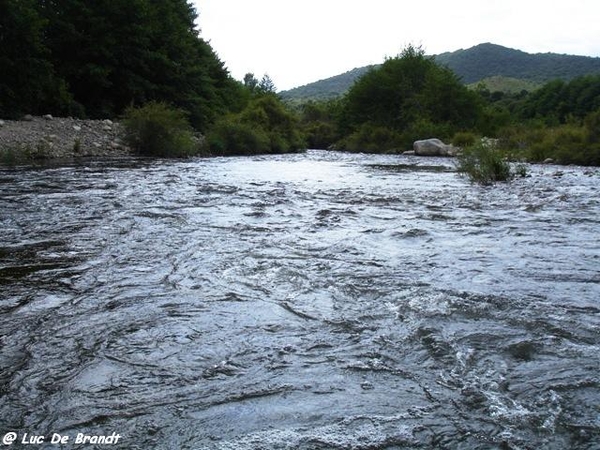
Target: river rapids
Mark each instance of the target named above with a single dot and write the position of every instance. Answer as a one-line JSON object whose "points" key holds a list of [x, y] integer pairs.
{"points": [[309, 301]]}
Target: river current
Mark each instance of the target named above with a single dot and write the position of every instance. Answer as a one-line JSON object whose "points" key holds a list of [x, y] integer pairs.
{"points": [[310, 301]]}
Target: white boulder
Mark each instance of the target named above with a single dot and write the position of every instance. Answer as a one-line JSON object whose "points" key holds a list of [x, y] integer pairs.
{"points": [[434, 147]]}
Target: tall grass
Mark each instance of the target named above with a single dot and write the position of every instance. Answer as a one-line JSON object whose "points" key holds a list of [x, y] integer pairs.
{"points": [[483, 164]]}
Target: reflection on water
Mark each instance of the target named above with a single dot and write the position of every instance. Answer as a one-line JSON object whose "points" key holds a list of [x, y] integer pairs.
{"points": [[309, 301]]}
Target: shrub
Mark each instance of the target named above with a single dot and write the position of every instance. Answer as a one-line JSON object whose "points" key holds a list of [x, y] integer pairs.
{"points": [[566, 144], [11, 156], [371, 138], [264, 126], [25, 154], [483, 164], [231, 137], [156, 129], [425, 129], [320, 134], [464, 139]]}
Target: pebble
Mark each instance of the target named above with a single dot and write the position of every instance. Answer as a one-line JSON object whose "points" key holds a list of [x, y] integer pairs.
{"points": [[63, 137], [48, 117]]}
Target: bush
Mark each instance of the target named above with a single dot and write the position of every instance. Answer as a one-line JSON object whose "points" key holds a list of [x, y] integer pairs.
{"points": [[425, 129], [483, 164], [25, 154], [566, 144], [464, 139], [231, 137], [264, 126], [371, 138], [156, 129], [320, 134]]}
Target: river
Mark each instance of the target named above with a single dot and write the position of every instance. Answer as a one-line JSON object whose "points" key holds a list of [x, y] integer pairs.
{"points": [[309, 301]]}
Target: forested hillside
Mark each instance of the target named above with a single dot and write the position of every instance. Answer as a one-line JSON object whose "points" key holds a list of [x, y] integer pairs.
{"points": [[487, 60], [479, 63], [95, 58], [328, 88], [413, 97]]}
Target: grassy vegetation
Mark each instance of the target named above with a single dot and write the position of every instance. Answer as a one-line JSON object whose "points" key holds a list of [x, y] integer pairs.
{"points": [[464, 139], [571, 143], [484, 164], [25, 154]]}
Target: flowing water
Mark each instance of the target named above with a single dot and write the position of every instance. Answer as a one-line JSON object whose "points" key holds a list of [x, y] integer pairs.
{"points": [[310, 301]]}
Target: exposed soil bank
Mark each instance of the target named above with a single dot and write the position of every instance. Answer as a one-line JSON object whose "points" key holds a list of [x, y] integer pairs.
{"points": [[48, 137]]}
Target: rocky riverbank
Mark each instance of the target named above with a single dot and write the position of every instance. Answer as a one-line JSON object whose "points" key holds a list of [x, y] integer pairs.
{"points": [[47, 137]]}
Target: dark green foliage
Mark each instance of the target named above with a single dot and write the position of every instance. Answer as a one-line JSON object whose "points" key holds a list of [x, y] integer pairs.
{"points": [[371, 138], [156, 129], [484, 164], [95, 58], [559, 101], [28, 81], [319, 122], [464, 139], [264, 126], [565, 144], [487, 60], [412, 97], [232, 137]]}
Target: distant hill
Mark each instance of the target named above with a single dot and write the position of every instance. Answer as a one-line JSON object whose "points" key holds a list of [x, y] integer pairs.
{"points": [[488, 60], [482, 62], [327, 88]]}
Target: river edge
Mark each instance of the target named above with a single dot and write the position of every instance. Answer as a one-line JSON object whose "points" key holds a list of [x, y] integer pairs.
{"points": [[50, 138]]}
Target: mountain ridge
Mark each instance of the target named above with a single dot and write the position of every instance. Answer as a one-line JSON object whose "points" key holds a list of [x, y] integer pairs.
{"points": [[472, 65]]}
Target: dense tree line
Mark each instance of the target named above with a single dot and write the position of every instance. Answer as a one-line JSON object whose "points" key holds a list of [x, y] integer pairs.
{"points": [[412, 97], [93, 59], [405, 97]]}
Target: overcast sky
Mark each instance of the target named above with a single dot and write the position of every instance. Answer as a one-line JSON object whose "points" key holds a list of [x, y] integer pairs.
{"points": [[300, 41]]}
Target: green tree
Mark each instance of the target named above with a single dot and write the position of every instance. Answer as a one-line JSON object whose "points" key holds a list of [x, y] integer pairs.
{"points": [[406, 91], [116, 53], [28, 81], [266, 85], [250, 82], [558, 102], [319, 123], [264, 126], [159, 130]]}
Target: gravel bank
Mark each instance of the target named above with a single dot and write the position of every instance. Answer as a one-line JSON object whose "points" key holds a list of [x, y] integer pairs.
{"points": [[50, 137]]}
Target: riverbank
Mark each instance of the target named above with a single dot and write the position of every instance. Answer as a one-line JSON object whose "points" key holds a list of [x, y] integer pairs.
{"points": [[47, 137]]}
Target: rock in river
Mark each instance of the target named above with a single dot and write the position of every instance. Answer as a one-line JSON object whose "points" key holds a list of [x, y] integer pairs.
{"points": [[433, 147]]}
